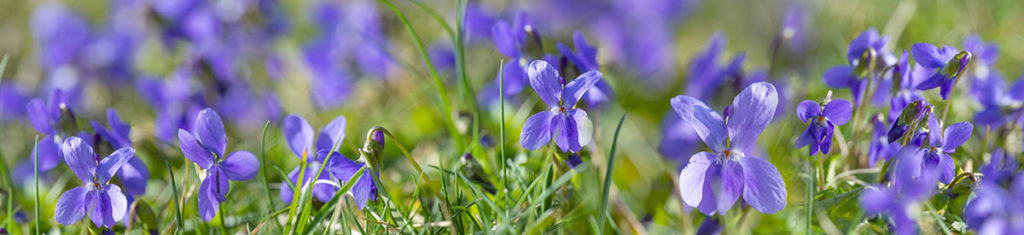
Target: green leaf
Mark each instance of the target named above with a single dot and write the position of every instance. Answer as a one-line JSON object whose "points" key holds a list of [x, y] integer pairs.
{"points": [[841, 206]]}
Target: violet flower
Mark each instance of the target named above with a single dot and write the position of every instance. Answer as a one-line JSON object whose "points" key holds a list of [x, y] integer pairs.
{"points": [[103, 202], [300, 137], [705, 74], [1001, 167], [585, 60], [881, 148], [56, 121], [206, 147], [905, 93], [997, 100], [942, 143], [822, 120], [713, 181], [908, 186], [568, 126], [134, 174], [866, 48], [945, 65], [995, 210], [515, 41]]}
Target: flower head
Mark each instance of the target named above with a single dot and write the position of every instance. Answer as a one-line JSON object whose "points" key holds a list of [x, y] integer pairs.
{"points": [[865, 49], [568, 126], [134, 174], [55, 119], [941, 143], [104, 202], [945, 64], [713, 181], [822, 120], [584, 59], [705, 73], [206, 147], [997, 210], [301, 138], [908, 186]]}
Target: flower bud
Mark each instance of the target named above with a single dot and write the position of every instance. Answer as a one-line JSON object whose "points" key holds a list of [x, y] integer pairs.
{"points": [[910, 114], [864, 65], [373, 147], [957, 65]]}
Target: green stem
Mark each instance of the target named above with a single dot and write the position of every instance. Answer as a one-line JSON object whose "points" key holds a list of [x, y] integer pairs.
{"points": [[608, 174], [949, 102], [35, 167], [810, 195], [501, 142]]}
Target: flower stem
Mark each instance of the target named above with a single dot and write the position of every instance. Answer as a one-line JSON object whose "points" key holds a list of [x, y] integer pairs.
{"points": [[865, 99], [811, 174], [35, 167], [501, 143], [949, 102]]}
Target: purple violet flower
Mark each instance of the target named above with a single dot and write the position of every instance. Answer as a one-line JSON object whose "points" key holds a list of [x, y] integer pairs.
{"points": [[206, 147], [713, 181], [941, 143], [134, 174], [568, 126], [1001, 167], [881, 147], [104, 202], [585, 60], [705, 74], [995, 210], [945, 66], [300, 137], [868, 46], [56, 121], [909, 186], [822, 120]]}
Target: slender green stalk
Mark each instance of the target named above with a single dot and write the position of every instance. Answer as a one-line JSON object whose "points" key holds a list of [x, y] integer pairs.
{"points": [[438, 84], [35, 167], [263, 167], [177, 207], [504, 159], [608, 174], [220, 217], [811, 175], [9, 220]]}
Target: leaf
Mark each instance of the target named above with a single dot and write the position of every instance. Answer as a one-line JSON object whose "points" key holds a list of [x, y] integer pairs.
{"points": [[842, 208]]}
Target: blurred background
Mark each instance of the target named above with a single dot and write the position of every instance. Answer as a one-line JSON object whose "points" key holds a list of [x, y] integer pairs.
{"points": [[159, 62]]}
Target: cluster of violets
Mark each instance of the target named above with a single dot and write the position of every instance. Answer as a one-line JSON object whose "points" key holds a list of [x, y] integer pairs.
{"points": [[913, 134], [721, 165]]}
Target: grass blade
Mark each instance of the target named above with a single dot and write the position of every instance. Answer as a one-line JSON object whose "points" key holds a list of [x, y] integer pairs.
{"points": [[263, 168], [438, 84], [608, 174], [35, 166], [504, 160], [177, 207]]}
